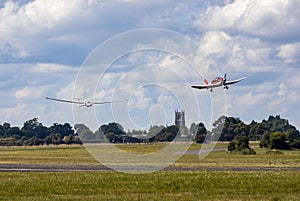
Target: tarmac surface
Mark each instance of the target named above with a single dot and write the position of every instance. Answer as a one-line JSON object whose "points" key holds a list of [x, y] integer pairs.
{"points": [[101, 168]]}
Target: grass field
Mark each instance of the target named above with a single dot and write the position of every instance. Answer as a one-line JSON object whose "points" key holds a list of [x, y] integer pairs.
{"points": [[162, 185], [77, 155], [199, 185]]}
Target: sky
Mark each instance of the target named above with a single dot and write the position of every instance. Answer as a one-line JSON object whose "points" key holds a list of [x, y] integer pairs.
{"points": [[156, 50]]}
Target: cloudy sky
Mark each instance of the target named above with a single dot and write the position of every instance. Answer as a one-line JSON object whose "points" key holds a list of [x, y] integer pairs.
{"points": [[45, 46]]}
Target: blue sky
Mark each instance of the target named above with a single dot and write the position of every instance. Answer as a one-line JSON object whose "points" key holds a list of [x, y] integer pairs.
{"points": [[44, 43]]}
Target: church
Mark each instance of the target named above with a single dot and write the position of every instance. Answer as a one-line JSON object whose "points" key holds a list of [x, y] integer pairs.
{"points": [[180, 118]]}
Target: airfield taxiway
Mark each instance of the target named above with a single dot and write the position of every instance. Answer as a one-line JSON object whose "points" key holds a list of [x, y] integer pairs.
{"points": [[101, 168]]}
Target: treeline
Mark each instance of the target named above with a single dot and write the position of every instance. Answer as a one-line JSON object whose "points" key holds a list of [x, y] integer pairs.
{"points": [[115, 133], [274, 132], [35, 133]]}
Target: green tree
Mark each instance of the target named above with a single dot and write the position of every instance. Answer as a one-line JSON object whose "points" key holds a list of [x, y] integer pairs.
{"points": [[63, 129], [115, 128], [257, 131], [154, 130], [231, 146], [265, 140], [167, 134], [71, 139], [241, 145], [84, 132], [193, 129], [278, 140], [33, 128], [201, 133]]}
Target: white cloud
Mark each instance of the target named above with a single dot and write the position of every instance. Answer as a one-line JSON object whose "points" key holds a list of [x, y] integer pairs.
{"points": [[42, 43], [275, 19], [18, 113], [290, 52], [47, 26], [52, 68], [216, 42], [221, 17], [29, 92], [238, 53], [139, 99], [293, 80], [67, 92]]}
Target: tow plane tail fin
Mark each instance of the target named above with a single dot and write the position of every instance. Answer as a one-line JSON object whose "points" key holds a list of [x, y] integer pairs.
{"points": [[205, 81]]}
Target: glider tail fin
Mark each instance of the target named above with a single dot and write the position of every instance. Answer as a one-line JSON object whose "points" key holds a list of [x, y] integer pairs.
{"points": [[205, 81]]}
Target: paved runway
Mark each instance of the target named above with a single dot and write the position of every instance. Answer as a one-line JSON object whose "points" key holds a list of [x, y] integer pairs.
{"points": [[101, 168]]}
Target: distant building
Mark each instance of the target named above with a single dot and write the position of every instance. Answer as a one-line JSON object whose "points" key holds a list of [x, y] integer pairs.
{"points": [[179, 118]]}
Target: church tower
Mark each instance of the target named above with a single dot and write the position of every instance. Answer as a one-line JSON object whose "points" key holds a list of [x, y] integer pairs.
{"points": [[179, 118]]}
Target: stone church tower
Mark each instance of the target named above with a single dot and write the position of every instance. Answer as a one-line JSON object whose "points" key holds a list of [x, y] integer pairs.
{"points": [[180, 118]]}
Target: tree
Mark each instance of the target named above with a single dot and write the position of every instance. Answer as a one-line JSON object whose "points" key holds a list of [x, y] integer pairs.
{"points": [[34, 141], [54, 138], [167, 134], [111, 137], [71, 139], [193, 129], [229, 128], [278, 141], [241, 145], [201, 133], [265, 140], [84, 132], [293, 134], [154, 130], [33, 128], [218, 129], [257, 131], [231, 146], [64, 130], [115, 128]]}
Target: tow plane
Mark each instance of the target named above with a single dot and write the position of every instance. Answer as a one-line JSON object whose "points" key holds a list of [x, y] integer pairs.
{"points": [[217, 82], [83, 103]]}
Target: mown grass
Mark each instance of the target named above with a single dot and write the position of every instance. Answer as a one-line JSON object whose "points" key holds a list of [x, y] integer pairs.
{"points": [[199, 185], [225, 159], [162, 185], [78, 155]]}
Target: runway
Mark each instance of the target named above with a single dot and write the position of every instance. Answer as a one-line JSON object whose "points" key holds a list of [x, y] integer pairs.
{"points": [[102, 168]]}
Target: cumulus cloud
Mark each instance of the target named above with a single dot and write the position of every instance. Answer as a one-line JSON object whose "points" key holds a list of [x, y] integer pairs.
{"points": [[18, 113], [42, 44], [58, 30], [43, 24], [273, 19], [52, 68], [216, 42], [238, 53], [290, 52], [29, 92]]}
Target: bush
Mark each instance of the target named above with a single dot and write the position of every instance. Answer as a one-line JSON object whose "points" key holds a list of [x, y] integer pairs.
{"points": [[263, 144], [247, 151], [240, 145], [295, 144], [278, 141], [231, 146]]}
